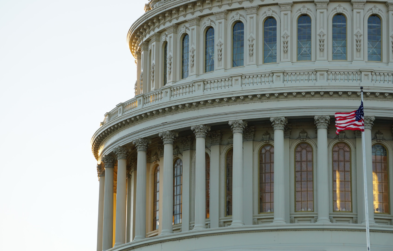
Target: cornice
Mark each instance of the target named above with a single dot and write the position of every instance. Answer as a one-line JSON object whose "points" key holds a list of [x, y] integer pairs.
{"points": [[205, 102]]}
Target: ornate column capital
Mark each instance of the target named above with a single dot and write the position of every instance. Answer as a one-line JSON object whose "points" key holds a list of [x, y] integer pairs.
{"points": [[278, 123], [168, 136], [200, 130], [100, 170], [322, 121], [369, 122], [141, 144], [237, 125], [215, 137], [108, 161], [121, 152], [249, 133]]}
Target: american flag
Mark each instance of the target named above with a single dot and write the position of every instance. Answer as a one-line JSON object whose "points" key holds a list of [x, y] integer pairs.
{"points": [[350, 120]]}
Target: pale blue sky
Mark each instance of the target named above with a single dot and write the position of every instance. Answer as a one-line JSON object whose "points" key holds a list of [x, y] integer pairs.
{"points": [[63, 64]]}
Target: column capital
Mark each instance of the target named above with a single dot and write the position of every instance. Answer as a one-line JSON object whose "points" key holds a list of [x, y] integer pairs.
{"points": [[138, 54], [369, 122], [249, 133], [100, 170], [121, 152], [215, 137], [322, 121], [200, 130], [141, 144], [237, 125], [168, 136], [278, 123], [108, 161]]}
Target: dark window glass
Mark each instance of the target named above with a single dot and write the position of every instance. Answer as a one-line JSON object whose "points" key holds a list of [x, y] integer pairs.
{"points": [[380, 179], [342, 192], [177, 191], [304, 178], [207, 165], [185, 56], [339, 37], [156, 221], [374, 38], [304, 38], [228, 183], [165, 63], [238, 44], [270, 40], [266, 179], [209, 50]]}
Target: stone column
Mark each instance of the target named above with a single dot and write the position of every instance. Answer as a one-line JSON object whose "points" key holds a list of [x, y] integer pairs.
{"points": [[200, 176], [140, 214], [129, 206], [172, 54], [167, 210], [359, 179], [194, 45], [237, 173], [323, 199], [155, 75], [247, 177], [368, 124], [121, 195], [186, 193], [107, 237], [215, 179], [279, 170], [101, 175], [145, 66], [138, 89]]}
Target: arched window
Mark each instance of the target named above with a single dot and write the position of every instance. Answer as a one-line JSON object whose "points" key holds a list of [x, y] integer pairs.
{"points": [[209, 50], [177, 191], [185, 56], [342, 192], [228, 182], [374, 38], [207, 165], [380, 179], [238, 44], [266, 179], [339, 37], [270, 40], [165, 63], [304, 178], [156, 198], [304, 38]]}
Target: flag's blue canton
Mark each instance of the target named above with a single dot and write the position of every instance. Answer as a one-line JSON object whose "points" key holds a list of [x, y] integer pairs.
{"points": [[360, 113]]}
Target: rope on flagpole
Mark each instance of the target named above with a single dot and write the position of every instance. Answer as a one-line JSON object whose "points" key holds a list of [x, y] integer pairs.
{"points": [[366, 214]]}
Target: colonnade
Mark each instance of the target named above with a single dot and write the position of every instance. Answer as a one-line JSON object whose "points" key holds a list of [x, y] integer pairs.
{"points": [[105, 222]]}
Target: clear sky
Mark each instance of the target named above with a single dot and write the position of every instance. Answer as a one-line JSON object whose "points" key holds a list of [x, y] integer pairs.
{"points": [[63, 64]]}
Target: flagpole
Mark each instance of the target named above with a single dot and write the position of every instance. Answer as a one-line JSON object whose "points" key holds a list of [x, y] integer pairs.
{"points": [[366, 216]]}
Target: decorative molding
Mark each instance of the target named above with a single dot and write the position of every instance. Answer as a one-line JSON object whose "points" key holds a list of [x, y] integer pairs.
{"points": [[269, 12], [184, 29], [170, 64], [266, 137], [303, 10], [221, 15], [369, 122], [186, 143], [215, 137], [392, 42], [322, 121], [321, 35], [100, 170], [152, 72], [176, 151], [209, 23], [160, 149], [168, 136], [236, 17], [219, 50], [194, 21], [303, 135], [251, 10], [285, 42], [249, 133], [237, 126], [285, 6], [278, 123], [358, 38], [109, 161], [192, 57], [155, 158], [379, 136], [200, 130], [342, 136], [251, 40], [339, 9], [121, 152], [141, 144]]}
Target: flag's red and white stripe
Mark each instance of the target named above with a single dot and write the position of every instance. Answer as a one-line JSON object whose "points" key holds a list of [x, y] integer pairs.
{"points": [[347, 121]]}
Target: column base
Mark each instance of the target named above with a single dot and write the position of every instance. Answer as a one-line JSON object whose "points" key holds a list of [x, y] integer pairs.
{"points": [[199, 227], [165, 232], [279, 221], [237, 224], [323, 221]]}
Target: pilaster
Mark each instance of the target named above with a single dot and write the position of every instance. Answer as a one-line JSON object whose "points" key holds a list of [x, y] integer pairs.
{"points": [[368, 124], [390, 29], [221, 43], [155, 79], [251, 36], [145, 66], [358, 45], [107, 237], [214, 178], [286, 35], [138, 89], [195, 55], [172, 55], [321, 6]]}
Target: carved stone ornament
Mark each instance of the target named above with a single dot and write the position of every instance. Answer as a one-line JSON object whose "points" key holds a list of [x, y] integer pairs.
{"points": [[169, 64], [321, 35], [215, 137], [141, 144], [186, 143], [286, 7], [285, 40], [379, 136], [100, 170], [200, 130], [236, 17], [266, 137], [278, 123], [375, 9], [121, 152], [209, 22], [176, 151], [339, 9], [251, 46], [220, 15], [168, 137], [184, 29], [155, 157], [108, 161], [342, 136], [192, 57], [219, 50], [269, 12], [322, 121], [238, 125], [303, 135], [249, 133], [303, 9], [369, 122], [392, 41], [160, 149], [358, 38], [152, 73], [252, 10]]}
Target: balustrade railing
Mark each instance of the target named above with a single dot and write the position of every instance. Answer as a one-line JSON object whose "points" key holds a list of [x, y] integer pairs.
{"points": [[217, 84]]}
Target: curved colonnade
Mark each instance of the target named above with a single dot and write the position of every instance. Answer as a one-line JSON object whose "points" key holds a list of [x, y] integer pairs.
{"points": [[230, 141]]}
